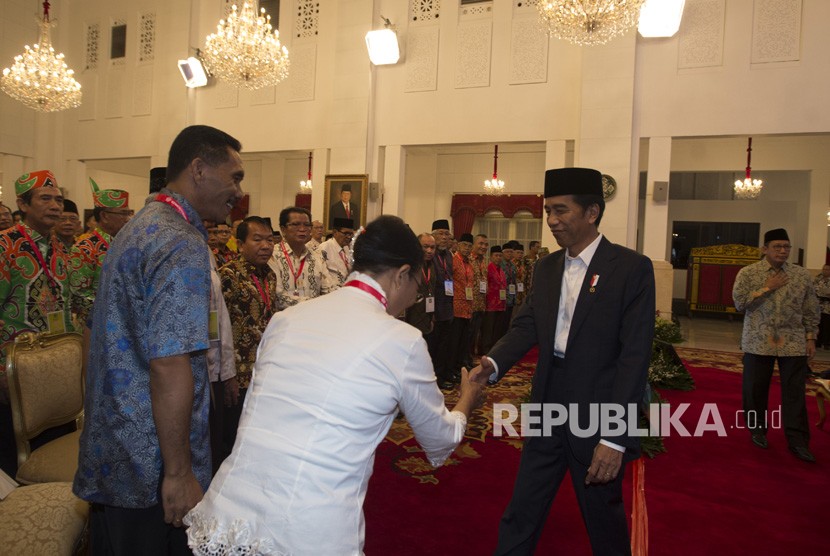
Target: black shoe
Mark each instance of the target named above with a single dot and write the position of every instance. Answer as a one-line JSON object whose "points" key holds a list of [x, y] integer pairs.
{"points": [[445, 385], [760, 440], [802, 453]]}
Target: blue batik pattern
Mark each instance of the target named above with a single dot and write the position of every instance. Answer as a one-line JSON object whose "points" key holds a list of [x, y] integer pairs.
{"points": [[152, 302]]}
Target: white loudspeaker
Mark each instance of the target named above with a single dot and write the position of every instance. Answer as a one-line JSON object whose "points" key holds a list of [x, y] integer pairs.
{"points": [[374, 190]]}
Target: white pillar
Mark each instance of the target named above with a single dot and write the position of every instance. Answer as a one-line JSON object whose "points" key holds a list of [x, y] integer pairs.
{"points": [[816, 249], [394, 170], [656, 233]]}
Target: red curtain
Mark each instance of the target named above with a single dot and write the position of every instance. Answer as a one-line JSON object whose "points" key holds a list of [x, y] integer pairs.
{"points": [[466, 206], [462, 222], [303, 200]]}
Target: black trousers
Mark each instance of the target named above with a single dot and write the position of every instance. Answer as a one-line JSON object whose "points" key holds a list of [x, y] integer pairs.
{"points": [[459, 344], [489, 325], [823, 339], [474, 335], [134, 532], [541, 471], [756, 380], [438, 342], [231, 423]]}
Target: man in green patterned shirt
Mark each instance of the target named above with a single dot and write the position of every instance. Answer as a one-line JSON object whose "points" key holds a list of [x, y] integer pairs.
{"points": [[780, 322], [86, 258]]}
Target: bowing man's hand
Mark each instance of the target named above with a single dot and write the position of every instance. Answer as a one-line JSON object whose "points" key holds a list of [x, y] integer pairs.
{"points": [[481, 372], [472, 391], [605, 465]]}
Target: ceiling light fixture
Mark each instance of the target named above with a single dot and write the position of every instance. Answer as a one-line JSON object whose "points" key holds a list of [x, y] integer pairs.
{"points": [[588, 22], [748, 188], [39, 78], [245, 50], [305, 185], [494, 186]]}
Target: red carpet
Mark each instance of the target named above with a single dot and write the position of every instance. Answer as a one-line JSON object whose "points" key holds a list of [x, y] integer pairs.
{"points": [[707, 495]]}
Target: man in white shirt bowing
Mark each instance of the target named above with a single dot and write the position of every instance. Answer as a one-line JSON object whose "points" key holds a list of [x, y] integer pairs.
{"points": [[337, 252]]}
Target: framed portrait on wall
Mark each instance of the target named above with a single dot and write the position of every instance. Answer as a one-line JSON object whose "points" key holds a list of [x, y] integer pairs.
{"points": [[345, 197]]}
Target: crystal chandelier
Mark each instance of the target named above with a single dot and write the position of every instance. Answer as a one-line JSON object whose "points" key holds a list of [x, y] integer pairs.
{"points": [[494, 186], [748, 188], [588, 22], [245, 50], [39, 78], [305, 185]]}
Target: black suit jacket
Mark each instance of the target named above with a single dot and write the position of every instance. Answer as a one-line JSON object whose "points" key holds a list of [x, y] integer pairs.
{"points": [[609, 343], [338, 211]]}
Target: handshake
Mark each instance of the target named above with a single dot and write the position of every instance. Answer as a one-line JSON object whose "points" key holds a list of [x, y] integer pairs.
{"points": [[472, 385]]}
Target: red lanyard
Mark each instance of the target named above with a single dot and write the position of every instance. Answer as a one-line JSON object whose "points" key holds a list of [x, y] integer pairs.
{"points": [[38, 254], [368, 289], [105, 242], [168, 200], [299, 272], [344, 258], [263, 292], [426, 274], [444, 265]]}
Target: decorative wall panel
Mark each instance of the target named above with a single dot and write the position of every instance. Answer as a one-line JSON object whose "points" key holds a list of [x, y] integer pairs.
{"points": [[422, 59], [89, 88], [93, 45], [146, 37], [700, 41], [528, 52], [776, 31], [115, 94], [227, 96], [266, 95], [143, 90], [308, 17], [472, 59], [303, 72], [424, 11]]}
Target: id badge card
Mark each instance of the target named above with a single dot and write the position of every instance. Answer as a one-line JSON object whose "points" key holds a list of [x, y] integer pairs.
{"points": [[213, 326], [56, 322], [429, 303], [448, 288], [512, 289], [482, 286], [468, 291], [520, 287], [502, 295]]}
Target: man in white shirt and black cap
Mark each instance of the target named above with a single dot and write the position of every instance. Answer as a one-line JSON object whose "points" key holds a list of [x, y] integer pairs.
{"points": [[337, 252]]}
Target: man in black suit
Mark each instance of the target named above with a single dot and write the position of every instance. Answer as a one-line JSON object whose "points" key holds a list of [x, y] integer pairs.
{"points": [[592, 314], [345, 208]]}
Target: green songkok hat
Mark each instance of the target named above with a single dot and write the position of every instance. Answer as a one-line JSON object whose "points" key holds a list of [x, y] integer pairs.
{"points": [[108, 198]]}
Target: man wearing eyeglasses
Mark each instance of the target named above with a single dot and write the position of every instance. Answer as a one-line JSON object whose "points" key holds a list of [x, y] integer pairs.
{"points": [[218, 236], [86, 258], [336, 251], [781, 316], [301, 274]]}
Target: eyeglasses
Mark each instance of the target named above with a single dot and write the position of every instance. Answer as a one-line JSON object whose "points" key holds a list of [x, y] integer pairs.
{"points": [[780, 247], [299, 225], [69, 219], [121, 212], [347, 234]]}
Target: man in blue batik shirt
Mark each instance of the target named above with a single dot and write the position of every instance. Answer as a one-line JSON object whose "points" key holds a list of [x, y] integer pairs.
{"points": [[145, 452]]}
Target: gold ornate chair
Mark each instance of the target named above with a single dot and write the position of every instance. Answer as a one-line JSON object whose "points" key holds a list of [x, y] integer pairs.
{"points": [[46, 390], [43, 519]]}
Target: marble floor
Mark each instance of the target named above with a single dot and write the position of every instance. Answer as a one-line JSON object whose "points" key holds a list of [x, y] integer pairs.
{"points": [[719, 334]]}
